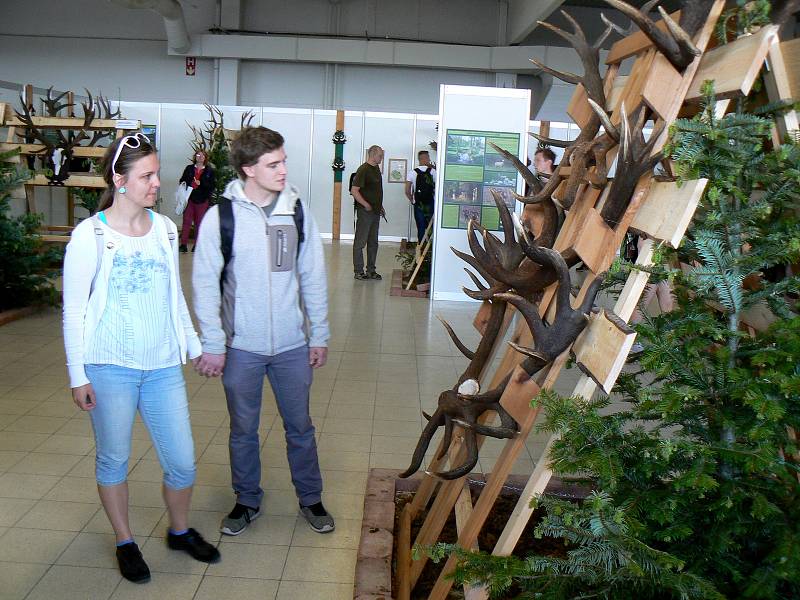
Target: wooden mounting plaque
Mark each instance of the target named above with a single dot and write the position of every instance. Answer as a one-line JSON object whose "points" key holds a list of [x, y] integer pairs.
{"points": [[667, 211], [734, 67], [601, 349]]}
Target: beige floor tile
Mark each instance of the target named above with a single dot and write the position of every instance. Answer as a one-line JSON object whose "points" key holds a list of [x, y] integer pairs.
{"points": [[58, 408], [6, 420], [346, 386], [214, 588], [41, 463], [346, 535], [17, 579], [33, 545], [344, 461], [343, 482], [344, 506], [21, 442], [320, 564], [206, 418], [279, 502], [217, 454], [59, 516], [93, 550], [305, 590], [74, 489], [67, 444], [146, 470], [341, 442], [249, 561], [212, 497], [389, 461], [12, 510], [392, 444], [162, 586], [343, 397], [398, 413], [213, 474], [145, 493], [275, 478], [396, 428], [350, 411], [37, 424], [23, 485], [272, 530], [347, 426], [8, 458], [85, 467], [142, 519], [79, 426], [76, 583]]}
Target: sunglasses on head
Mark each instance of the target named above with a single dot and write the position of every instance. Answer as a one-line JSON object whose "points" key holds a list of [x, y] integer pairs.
{"points": [[133, 140]]}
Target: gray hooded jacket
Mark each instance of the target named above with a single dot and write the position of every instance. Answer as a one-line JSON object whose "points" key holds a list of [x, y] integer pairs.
{"points": [[273, 300]]}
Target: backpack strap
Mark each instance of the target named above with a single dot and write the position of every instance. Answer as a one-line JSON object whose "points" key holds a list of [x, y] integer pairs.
{"points": [[299, 220], [226, 230], [98, 239]]}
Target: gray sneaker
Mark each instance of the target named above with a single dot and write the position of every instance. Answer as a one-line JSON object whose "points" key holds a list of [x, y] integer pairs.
{"points": [[318, 518], [238, 519]]}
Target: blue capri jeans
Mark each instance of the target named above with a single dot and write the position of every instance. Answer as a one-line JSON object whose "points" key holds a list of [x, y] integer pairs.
{"points": [[160, 397]]}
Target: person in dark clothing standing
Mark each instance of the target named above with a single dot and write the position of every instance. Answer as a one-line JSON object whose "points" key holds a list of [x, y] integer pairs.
{"points": [[421, 192], [200, 177], [367, 189]]}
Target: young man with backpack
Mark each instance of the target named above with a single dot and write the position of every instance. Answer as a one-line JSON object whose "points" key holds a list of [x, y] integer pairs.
{"points": [[259, 277], [420, 191]]}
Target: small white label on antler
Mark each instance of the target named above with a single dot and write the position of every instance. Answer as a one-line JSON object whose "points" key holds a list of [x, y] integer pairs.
{"points": [[127, 124], [469, 388]]}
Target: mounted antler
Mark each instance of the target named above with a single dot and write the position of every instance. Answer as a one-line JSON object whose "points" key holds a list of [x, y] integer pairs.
{"points": [[54, 105], [550, 341], [676, 42], [635, 158], [103, 105]]}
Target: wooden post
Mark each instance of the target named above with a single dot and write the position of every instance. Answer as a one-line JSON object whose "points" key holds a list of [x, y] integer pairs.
{"points": [[404, 555], [337, 181]]}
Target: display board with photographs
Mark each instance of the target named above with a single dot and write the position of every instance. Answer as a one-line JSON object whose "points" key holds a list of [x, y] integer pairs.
{"points": [[472, 169]]}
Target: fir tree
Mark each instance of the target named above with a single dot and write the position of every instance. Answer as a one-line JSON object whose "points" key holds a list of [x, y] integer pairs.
{"points": [[697, 474], [25, 272]]}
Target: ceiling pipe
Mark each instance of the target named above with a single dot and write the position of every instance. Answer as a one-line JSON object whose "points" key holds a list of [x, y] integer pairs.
{"points": [[174, 23]]}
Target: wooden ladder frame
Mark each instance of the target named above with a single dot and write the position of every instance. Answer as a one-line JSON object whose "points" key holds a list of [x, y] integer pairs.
{"points": [[662, 211]]}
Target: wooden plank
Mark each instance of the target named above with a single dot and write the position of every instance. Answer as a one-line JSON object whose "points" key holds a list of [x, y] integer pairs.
{"points": [[57, 239], [662, 80], [615, 95], [734, 67], [602, 348], [634, 43], [790, 52], [668, 210], [337, 189], [78, 151], [75, 180], [578, 108], [404, 555], [592, 242], [64, 123], [777, 80]]}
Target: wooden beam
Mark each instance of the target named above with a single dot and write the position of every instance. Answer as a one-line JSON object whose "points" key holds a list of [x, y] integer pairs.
{"points": [[777, 79], [64, 123], [602, 348], [78, 151], [668, 209], [337, 189], [634, 43], [74, 180], [734, 67], [790, 52], [404, 555]]}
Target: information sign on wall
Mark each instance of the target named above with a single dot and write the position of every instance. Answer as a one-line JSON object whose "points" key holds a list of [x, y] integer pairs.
{"points": [[472, 169]]}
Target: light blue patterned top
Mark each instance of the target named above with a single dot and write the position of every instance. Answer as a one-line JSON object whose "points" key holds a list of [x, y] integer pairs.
{"points": [[135, 330]]}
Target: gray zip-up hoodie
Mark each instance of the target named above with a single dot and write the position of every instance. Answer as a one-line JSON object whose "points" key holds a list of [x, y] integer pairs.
{"points": [[269, 292]]}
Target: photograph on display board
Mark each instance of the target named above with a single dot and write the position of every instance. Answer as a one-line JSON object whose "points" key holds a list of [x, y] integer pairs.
{"points": [[472, 167], [398, 168], [462, 192], [467, 212]]}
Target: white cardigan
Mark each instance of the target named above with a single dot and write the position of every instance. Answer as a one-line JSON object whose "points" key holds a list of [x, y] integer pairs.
{"points": [[84, 306]]}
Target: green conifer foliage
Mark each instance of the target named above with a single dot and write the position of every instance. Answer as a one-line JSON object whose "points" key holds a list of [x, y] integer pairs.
{"points": [[25, 271]]}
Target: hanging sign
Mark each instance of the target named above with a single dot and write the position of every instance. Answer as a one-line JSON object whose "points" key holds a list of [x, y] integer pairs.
{"points": [[191, 66]]}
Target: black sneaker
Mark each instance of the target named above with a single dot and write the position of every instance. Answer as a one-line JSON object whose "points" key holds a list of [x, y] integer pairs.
{"points": [[131, 563], [374, 275], [183, 248], [238, 519], [194, 545], [360, 276]]}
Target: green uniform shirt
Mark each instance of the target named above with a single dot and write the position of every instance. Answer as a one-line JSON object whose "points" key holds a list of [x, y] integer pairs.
{"points": [[369, 182]]}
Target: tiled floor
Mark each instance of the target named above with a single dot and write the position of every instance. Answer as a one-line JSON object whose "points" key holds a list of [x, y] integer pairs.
{"points": [[389, 360]]}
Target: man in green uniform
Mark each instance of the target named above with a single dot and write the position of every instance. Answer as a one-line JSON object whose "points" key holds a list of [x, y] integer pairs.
{"points": [[367, 189]]}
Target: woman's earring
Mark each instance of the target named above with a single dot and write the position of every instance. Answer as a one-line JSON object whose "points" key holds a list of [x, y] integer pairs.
{"points": [[123, 189]]}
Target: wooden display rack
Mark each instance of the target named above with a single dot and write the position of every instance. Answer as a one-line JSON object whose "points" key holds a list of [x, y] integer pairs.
{"points": [[9, 120], [660, 210]]}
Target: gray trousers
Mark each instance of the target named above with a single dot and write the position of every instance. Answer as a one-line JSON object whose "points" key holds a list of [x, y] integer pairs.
{"points": [[367, 223], [289, 375]]}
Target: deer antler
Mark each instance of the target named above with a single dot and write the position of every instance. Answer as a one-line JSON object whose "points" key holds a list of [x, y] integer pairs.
{"points": [[635, 158], [26, 118], [676, 43], [647, 8], [103, 105], [52, 104]]}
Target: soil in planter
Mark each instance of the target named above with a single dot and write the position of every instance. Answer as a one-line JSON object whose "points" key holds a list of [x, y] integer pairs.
{"points": [[495, 523]]}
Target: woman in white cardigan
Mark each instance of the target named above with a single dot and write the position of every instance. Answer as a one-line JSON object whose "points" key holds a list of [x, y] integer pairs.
{"points": [[127, 330]]}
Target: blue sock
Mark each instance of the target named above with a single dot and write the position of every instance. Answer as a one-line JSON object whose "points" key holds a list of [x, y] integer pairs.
{"points": [[125, 542], [182, 532]]}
